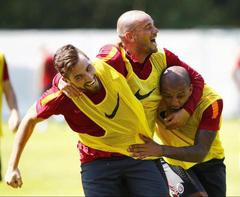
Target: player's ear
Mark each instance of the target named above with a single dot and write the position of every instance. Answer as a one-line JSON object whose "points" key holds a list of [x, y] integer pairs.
{"points": [[129, 36]]}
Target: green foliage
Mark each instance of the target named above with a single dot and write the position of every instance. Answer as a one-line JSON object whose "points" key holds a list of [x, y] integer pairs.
{"points": [[104, 13]]}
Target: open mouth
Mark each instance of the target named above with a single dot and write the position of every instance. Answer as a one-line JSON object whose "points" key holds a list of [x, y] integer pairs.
{"points": [[91, 83], [153, 40]]}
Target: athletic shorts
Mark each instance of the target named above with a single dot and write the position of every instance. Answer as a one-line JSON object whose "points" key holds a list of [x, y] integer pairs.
{"points": [[182, 183]]}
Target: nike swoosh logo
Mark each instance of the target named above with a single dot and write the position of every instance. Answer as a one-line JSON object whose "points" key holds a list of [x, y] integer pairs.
{"points": [[140, 96], [111, 116]]}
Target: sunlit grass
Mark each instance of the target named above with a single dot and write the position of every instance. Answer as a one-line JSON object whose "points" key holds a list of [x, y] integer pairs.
{"points": [[230, 135], [50, 162], [49, 165]]}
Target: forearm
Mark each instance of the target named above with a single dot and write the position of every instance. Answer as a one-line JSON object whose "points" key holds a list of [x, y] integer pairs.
{"points": [[10, 96], [187, 153], [24, 132], [194, 153], [12, 102]]}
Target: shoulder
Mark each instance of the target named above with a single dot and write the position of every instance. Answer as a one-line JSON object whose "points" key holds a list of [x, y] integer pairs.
{"points": [[52, 94], [50, 102], [211, 116], [4, 66], [168, 52], [2, 58], [171, 57], [111, 54]]}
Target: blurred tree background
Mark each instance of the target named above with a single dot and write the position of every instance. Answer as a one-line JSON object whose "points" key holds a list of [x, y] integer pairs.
{"points": [[61, 14]]}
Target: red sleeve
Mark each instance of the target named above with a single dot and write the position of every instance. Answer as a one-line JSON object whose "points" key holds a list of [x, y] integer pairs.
{"points": [[56, 79], [49, 103], [5, 70], [211, 116], [111, 54], [196, 80]]}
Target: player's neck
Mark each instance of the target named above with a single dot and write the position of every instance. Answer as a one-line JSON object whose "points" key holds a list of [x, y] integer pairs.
{"points": [[136, 56]]}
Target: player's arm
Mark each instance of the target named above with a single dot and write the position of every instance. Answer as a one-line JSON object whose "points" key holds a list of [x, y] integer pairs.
{"points": [[195, 153], [206, 133], [11, 100], [178, 119], [13, 176], [14, 118]]}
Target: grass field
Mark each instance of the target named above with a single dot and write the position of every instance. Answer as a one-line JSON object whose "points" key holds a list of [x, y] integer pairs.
{"points": [[50, 162]]}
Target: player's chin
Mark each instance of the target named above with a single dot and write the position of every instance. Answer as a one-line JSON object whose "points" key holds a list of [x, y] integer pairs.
{"points": [[154, 48], [94, 89]]}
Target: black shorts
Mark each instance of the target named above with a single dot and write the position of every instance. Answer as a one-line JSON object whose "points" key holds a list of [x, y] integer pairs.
{"points": [[182, 183], [212, 175], [204, 179]]}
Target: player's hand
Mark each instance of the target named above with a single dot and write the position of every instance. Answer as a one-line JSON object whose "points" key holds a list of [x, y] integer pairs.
{"points": [[150, 148], [13, 178], [69, 89], [14, 120], [176, 119]]}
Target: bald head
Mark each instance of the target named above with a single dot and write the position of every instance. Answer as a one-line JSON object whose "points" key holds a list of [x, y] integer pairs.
{"points": [[129, 20], [175, 76], [175, 87]]}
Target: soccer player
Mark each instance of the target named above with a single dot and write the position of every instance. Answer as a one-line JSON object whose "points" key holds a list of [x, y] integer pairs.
{"points": [[196, 147], [107, 117], [139, 59], [7, 89]]}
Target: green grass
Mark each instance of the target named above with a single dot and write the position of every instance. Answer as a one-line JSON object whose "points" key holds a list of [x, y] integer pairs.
{"points": [[230, 135], [49, 165], [50, 161]]}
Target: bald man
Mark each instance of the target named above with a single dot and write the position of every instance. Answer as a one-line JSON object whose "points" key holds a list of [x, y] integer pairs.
{"points": [[195, 148], [138, 58]]}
